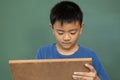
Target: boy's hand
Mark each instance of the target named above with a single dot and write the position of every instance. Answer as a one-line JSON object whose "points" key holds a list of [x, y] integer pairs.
{"points": [[92, 75]]}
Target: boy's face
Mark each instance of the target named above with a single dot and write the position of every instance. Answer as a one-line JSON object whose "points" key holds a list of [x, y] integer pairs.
{"points": [[67, 34]]}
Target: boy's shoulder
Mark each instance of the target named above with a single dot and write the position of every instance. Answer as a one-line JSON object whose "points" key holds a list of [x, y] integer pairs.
{"points": [[46, 47], [84, 48], [87, 50]]}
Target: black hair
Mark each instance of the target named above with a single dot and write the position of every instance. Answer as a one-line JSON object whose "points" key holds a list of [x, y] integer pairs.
{"points": [[66, 11]]}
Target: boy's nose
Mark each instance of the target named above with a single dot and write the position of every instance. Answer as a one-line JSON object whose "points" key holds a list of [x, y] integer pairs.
{"points": [[66, 37]]}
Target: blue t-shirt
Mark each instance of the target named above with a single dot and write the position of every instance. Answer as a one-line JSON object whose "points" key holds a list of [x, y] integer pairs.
{"points": [[50, 52]]}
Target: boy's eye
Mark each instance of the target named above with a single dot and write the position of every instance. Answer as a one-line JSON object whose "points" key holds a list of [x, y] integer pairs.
{"points": [[60, 32], [72, 32]]}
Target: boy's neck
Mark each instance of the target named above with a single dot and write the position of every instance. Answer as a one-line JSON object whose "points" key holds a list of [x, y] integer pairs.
{"points": [[67, 51]]}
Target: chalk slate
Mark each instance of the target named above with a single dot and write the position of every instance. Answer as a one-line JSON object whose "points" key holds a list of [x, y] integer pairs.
{"points": [[54, 69]]}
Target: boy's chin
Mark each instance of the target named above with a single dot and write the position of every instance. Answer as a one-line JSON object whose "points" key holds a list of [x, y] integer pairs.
{"points": [[66, 47]]}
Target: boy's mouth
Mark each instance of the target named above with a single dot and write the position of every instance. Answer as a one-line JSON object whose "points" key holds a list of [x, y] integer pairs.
{"points": [[66, 43]]}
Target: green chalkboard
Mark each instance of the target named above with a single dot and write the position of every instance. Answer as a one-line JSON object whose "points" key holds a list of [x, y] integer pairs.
{"points": [[24, 27]]}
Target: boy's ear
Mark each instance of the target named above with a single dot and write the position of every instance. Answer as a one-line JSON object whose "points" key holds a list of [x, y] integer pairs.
{"points": [[51, 26], [81, 26]]}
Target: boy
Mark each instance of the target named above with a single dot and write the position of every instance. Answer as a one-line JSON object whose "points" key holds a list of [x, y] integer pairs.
{"points": [[67, 23]]}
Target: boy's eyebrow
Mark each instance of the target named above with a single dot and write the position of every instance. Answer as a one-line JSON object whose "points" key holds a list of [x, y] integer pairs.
{"points": [[69, 30], [73, 30], [60, 30]]}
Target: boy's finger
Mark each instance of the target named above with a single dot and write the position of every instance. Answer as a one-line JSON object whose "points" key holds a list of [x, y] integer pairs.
{"points": [[87, 74], [82, 77], [90, 67]]}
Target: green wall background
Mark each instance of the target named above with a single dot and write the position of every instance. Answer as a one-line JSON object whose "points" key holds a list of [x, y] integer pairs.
{"points": [[24, 27]]}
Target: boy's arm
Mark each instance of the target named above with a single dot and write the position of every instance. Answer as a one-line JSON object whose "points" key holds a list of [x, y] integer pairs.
{"points": [[92, 75], [97, 78]]}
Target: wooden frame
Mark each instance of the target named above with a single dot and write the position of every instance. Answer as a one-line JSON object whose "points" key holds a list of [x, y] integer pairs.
{"points": [[49, 69]]}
